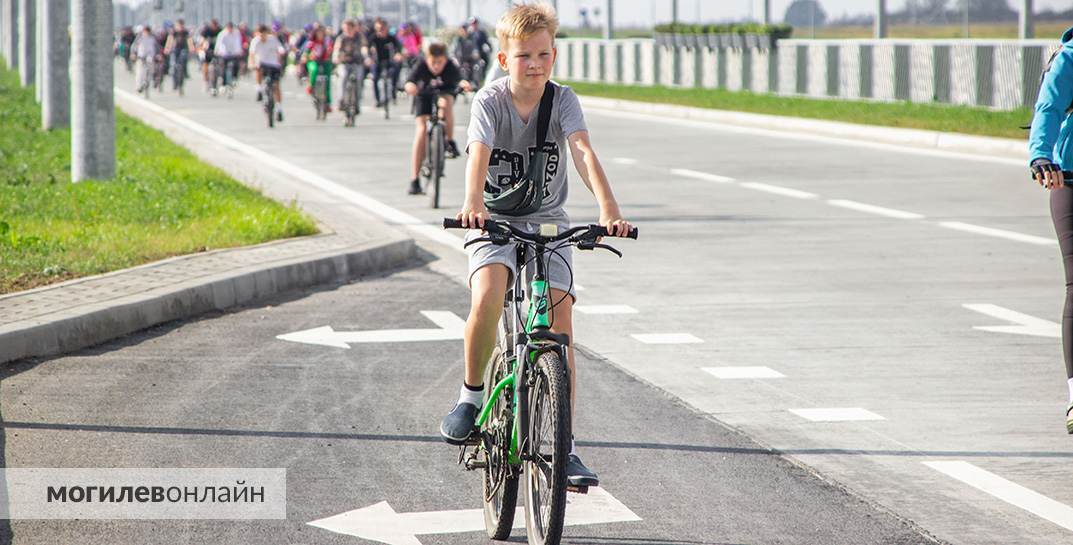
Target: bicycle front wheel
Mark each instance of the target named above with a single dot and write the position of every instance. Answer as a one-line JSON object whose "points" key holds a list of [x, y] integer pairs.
{"points": [[549, 445], [435, 165], [500, 479]]}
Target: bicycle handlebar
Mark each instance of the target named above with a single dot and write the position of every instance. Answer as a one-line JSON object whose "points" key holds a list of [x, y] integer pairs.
{"points": [[491, 225]]}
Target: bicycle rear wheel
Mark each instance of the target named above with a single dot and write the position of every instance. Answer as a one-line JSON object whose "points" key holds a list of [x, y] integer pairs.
{"points": [[500, 479], [549, 445]]}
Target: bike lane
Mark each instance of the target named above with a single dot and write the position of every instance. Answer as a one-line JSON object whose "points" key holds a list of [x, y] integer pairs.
{"points": [[357, 426]]}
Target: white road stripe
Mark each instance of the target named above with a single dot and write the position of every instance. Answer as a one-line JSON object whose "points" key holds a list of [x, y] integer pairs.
{"points": [[779, 190], [1000, 233], [872, 209], [667, 338], [701, 175], [624, 161], [743, 372], [849, 414], [605, 309], [1007, 491]]}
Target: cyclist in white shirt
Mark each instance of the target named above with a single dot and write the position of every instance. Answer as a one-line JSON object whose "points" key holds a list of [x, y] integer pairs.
{"points": [[266, 55], [229, 50], [145, 50]]}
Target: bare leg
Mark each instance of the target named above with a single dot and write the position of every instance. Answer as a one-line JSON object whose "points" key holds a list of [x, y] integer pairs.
{"points": [[488, 286], [420, 141]]}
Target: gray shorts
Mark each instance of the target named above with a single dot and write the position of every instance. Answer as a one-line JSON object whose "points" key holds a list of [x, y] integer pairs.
{"points": [[558, 271]]}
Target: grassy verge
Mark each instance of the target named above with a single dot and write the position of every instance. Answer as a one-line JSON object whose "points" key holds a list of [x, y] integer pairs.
{"points": [[163, 202], [933, 117]]}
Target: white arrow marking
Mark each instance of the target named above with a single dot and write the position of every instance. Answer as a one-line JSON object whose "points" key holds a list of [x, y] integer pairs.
{"points": [[451, 328], [1007, 491], [1026, 325], [382, 524]]}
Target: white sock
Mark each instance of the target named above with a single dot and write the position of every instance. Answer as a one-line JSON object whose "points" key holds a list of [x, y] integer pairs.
{"points": [[473, 397], [1070, 383], [572, 451]]}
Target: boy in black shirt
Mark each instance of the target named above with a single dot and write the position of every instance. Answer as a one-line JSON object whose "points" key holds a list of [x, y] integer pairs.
{"points": [[439, 78]]}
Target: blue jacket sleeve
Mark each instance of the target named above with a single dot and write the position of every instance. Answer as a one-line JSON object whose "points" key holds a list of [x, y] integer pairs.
{"points": [[1055, 96]]}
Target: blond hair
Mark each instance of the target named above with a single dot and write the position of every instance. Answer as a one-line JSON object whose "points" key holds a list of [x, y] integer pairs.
{"points": [[524, 20]]}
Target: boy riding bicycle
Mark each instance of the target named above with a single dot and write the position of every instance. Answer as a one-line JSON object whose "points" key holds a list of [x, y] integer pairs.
{"points": [[501, 136], [440, 75], [266, 55]]}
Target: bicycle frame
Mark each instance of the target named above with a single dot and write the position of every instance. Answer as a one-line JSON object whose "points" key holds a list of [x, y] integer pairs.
{"points": [[537, 320]]}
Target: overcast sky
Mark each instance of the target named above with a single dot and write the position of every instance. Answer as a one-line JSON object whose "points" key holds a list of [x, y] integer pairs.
{"points": [[645, 12]]}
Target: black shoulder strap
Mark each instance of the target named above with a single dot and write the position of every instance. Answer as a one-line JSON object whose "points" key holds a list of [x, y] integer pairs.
{"points": [[543, 121]]}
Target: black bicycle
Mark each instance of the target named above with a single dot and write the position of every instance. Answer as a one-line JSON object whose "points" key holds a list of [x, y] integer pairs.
{"points": [[523, 432], [435, 146], [269, 91], [178, 72], [351, 103]]}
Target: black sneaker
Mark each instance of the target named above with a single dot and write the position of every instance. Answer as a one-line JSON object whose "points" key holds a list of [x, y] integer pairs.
{"points": [[415, 187], [279, 115], [452, 150], [458, 424], [260, 96], [579, 475]]}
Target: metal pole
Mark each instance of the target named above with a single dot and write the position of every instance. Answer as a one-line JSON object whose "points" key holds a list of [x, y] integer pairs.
{"points": [[674, 11], [469, 9], [965, 18], [27, 51], [39, 36], [11, 33], [881, 18], [93, 102], [765, 12], [609, 19], [55, 55], [1026, 23]]}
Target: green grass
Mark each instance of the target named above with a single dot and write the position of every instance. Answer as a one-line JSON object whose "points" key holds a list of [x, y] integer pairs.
{"points": [[935, 117], [162, 202], [1048, 30]]}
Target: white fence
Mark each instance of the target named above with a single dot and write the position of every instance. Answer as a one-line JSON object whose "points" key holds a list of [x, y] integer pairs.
{"points": [[1000, 74]]}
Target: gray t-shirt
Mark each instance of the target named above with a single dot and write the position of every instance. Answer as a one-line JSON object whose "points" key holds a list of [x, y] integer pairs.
{"points": [[496, 123]]}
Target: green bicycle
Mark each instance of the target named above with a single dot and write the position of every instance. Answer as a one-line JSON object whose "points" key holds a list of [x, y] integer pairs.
{"points": [[523, 431]]}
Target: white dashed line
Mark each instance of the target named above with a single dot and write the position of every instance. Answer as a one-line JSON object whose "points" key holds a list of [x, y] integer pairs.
{"points": [[1007, 491], [743, 372], [1000, 233], [872, 209], [695, 174], [624, 161], [667, 338], [779, 190], [851, 414], [605, 309]]}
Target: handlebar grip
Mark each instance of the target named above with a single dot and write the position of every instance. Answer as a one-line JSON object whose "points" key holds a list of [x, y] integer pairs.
{"points": [[601, 231], [452, 223]]}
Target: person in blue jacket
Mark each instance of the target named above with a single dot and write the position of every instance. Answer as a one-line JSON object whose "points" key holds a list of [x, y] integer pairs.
{"points": [[1050, 151]]}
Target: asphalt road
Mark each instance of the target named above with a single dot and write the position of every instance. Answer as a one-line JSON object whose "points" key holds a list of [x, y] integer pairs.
{"points": [[855, 275]]}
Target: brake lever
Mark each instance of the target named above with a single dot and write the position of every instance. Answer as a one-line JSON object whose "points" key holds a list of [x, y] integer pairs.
{"points": [[476, 240], [608, 248]]}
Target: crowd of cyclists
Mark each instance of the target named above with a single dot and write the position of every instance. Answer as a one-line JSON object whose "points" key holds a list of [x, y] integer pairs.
{"points": [[225, 52]]}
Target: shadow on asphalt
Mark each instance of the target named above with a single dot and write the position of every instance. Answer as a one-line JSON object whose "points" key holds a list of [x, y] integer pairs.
{"points": [[402, 438]]}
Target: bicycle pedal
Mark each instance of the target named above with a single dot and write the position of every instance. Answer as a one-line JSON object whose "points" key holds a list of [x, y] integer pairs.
{"points": [[577, 489]]}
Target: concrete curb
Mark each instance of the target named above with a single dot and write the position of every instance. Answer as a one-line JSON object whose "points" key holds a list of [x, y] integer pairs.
{"points": [[953, 142], [95, 324]]}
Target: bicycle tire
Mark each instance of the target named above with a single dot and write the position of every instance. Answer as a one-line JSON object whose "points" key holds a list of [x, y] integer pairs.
{"points": [[388, 97], [499, 508], [545, 502], [436, 159]]}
